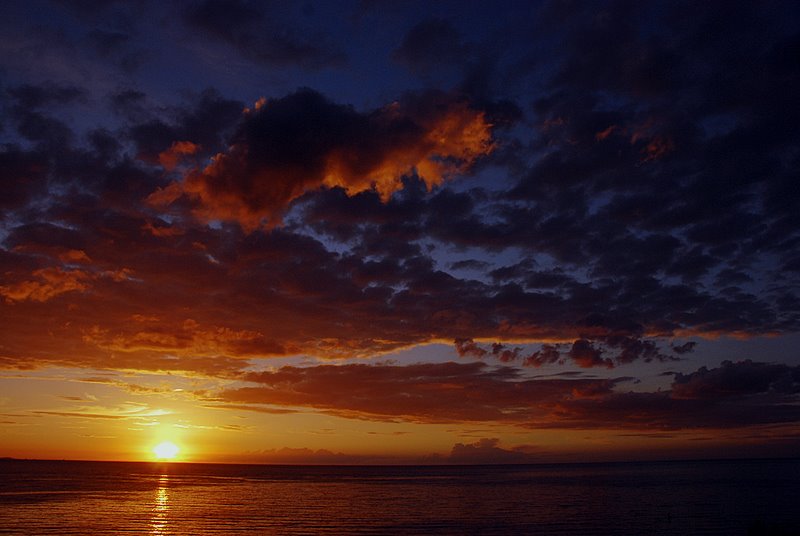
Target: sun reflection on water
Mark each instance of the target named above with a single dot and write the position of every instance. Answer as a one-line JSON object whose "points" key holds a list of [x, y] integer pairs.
{"points": [[158, 519]]}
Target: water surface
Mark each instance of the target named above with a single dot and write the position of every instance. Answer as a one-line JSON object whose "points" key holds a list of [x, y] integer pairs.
{"points": [[707, 497]]}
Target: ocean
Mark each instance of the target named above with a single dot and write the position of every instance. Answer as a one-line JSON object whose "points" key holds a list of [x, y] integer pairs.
{"points": [[680, 497]]}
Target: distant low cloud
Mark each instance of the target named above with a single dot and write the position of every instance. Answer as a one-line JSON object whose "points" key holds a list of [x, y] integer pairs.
{"points": [[488, 451], [302, 456]]}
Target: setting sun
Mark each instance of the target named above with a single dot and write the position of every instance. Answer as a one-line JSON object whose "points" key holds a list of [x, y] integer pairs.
{"points": [[166, 450]]}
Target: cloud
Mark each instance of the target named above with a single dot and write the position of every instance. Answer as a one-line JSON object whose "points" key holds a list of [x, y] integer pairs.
{"points": [[116, 46], [474, 392], [48, 283], [737, 380], [189, 339], [24, 176], [584, 353], [81, 415], [431, 44], [32, 113], [29, 97], [259, 36], [177, 151], [548, 354], [684, 348], [203, 122], [126, 410], [487, 451], [564, 233], [302, 142], [647, 285], [422, 392]]}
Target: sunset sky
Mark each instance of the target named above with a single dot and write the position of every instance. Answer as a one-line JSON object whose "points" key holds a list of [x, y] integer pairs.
{"points": [[399, 232]]}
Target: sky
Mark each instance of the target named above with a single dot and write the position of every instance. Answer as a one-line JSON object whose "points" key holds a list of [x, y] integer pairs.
{"points": [[399, 232]]}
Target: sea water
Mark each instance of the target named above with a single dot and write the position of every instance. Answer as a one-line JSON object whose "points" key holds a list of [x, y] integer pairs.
{"points": [[686, 497]]}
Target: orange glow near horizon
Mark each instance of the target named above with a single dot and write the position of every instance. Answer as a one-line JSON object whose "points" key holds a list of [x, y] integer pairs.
{"points": [[159, 417]]}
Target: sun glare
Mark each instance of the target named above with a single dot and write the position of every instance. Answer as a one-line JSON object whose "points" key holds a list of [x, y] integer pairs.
{"points": [[166, 450]]}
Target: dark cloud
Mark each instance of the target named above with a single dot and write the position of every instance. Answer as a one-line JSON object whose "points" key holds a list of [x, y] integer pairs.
{"points": [[29, 97], [443, 392], [117, 47], [469, 264], [684, 348], [468, 347], [431, 44], [107, 42], [23, 176], [129, 103], [586, 355], [204, 122], [458, 219], [89, 8], [604, 350], [737, 380], [548, 354], [258, 36], [436, 50], [32, 113], [735, 395], [299, 143], [649, 194], [610, 119], [487, 451]]}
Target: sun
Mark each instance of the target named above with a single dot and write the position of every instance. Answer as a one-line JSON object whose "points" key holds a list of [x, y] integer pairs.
{"points": [[166, 450]]}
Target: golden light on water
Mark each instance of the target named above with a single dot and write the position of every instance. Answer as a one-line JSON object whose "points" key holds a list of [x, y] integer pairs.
{"points": [[166, 450], [160, 511]]}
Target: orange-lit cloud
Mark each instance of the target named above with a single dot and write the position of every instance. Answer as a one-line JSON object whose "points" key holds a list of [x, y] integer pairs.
{"points": [[74, 256], [189, 338], [302, 142], [162, 230], [47, 283], [170, 158], [603, 134], [658, 147]]}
